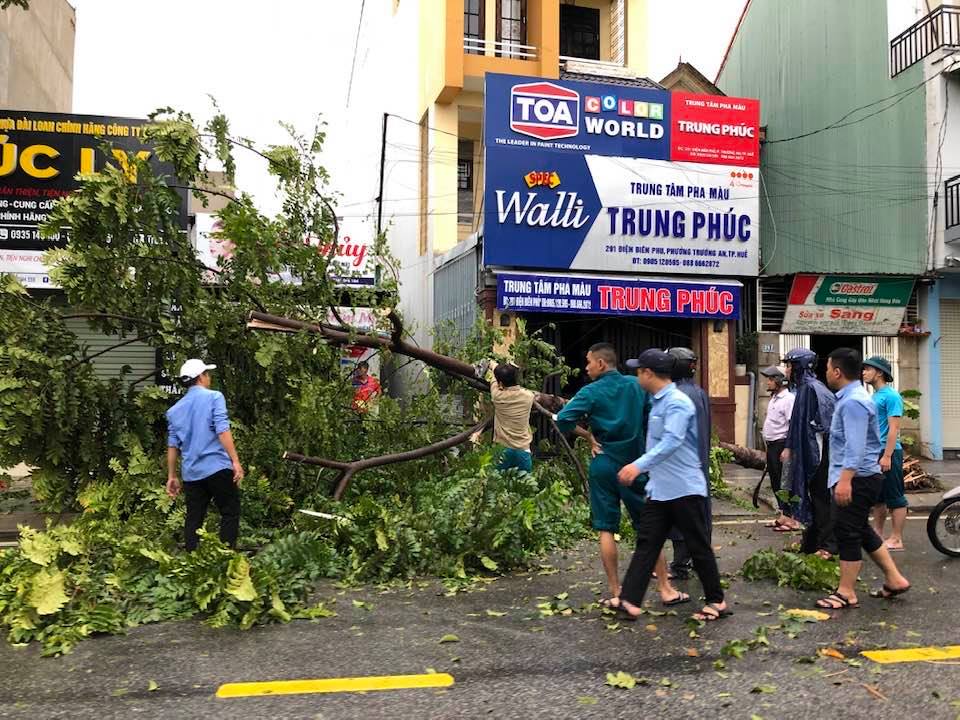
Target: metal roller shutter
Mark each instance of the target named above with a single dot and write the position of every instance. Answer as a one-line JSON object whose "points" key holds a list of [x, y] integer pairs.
{"points": [[140, 357], [949, 371]]}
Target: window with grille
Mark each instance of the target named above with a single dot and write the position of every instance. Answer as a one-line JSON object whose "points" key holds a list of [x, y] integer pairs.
{"points": [[511, 27], [473, 12], [580, 32]]}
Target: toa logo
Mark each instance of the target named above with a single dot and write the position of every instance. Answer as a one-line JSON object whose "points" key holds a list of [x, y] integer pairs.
{"points": [[544, 111]]}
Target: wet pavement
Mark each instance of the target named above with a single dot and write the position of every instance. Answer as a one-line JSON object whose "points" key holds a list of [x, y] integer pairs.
{"points": [[512, 659]]}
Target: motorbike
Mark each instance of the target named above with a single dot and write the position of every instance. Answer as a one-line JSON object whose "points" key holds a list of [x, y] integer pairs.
{"points": [[943, 525]]}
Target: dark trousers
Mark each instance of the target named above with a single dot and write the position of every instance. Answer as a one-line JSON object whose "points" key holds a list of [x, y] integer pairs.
{"points": [[682, 559], [852, 524], [775, 470], [688, 515], [819, 535], [220, 488]]}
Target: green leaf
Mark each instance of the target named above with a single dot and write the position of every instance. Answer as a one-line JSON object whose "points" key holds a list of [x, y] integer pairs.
{"points": [[47, 594], [489, 564], [587, 700], [495, 613], [152, 686], [382, 541], [38, 547], [449, 638], [622, 680], [764, 689], [239, 582]]}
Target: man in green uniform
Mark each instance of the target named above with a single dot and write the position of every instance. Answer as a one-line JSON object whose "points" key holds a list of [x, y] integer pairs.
{"points": [[615, 408]]}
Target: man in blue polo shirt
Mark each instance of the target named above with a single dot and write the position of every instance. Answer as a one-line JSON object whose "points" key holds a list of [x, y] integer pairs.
{"points": [[199, 430], [676, 490], [855, 482]]}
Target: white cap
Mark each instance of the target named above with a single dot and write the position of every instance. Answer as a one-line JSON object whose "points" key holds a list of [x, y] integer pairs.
{"points": [[194, 368]]}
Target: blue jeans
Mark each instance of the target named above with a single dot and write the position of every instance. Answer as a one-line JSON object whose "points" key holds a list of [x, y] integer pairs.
{"points": [[519, 459]]}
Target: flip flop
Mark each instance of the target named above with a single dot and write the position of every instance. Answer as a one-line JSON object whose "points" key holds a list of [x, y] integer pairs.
{"points": [[625, 615], [893, 549], [709, 617], [785, 529], [611, 603], [888, 593], [680, 599], [827, 603]]}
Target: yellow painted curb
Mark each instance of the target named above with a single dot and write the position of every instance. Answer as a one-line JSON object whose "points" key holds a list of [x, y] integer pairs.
{"points": [[332, 685], [949, 652]]}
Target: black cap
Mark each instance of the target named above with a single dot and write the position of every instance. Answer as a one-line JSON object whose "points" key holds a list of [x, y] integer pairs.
{"points": [[656, 360]]}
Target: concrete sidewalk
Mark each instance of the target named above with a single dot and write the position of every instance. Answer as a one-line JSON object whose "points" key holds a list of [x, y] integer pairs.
{"points": [[742, 481]]}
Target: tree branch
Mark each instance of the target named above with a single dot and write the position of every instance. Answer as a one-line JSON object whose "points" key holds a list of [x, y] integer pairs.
{"points": [[349, 469]]}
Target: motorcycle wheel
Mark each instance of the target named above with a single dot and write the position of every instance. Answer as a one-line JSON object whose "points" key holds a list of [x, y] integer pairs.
{"points": [[943, 527]]}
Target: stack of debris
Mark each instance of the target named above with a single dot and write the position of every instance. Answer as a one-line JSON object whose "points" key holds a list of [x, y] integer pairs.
{"points": [[916, 479]]}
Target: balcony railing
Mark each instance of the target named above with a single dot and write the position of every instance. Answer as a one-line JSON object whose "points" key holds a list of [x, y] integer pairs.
{"points": [[939, 29], [505, 49], [951, 209]]}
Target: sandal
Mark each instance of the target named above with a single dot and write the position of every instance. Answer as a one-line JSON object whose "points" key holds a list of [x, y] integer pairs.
{"points": [[888, 593], [610, 603], [681, 598], [716, 614], [626, 615], [836, 601]]}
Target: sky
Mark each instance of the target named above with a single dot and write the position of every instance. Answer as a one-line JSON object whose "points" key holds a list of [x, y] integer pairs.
{"points": [[286, 60]]}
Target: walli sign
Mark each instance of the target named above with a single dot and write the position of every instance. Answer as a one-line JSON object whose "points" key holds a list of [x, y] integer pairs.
{"points": [[846, 305], [525, 292], [596, 177]]}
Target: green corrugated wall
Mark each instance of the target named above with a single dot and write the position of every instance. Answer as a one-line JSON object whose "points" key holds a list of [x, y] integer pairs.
{"points": [[853, 199]]}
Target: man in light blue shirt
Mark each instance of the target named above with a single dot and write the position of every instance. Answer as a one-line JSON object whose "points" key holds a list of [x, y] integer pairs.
{"points": [[855, 482], [198, 429], [878, 373], [677, 489]]}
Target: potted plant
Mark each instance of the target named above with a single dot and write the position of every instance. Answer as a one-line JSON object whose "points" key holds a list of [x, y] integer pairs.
{"points": [[745, 349]]}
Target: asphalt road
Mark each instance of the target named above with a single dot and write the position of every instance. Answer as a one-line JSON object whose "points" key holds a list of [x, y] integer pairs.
{"points": [[521, 664]]}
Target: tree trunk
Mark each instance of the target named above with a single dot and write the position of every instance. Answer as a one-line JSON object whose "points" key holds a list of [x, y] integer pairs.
{"points": [[745, 457]]}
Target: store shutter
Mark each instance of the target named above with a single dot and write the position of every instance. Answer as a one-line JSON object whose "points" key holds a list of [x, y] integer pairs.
{"points": [[949, 371], [140, 357]]}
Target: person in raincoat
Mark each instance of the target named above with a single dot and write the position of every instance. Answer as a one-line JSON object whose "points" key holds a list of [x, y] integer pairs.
{"points": [[808, 453]]}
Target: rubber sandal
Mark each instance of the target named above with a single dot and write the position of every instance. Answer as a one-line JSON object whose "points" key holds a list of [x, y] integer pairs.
{"points": [[710, 617], [827, 603], [678, 600], [625, 615], [608, 603], [888, 593]]}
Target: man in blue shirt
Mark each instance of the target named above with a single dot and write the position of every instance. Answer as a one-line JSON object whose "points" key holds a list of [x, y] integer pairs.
{"points": [[199, 430], [878, 374], [856, 482], [676, 490], [684, 370], [614, 407]]}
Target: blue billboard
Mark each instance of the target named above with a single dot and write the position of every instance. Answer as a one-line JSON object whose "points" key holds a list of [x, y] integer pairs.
{"points": [[525, 292], [585, 176]]}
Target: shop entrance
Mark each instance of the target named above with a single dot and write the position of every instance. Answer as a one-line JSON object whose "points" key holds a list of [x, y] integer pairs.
{"points": [[823, 345], [573, 335]]}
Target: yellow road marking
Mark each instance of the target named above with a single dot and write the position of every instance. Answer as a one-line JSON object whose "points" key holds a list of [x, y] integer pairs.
{"points": [[332, 685], [949, 652]]}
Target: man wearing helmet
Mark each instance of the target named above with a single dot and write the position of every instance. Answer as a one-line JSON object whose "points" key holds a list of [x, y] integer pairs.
{"points": [[684, 370], [808, 453], [775, 427]]}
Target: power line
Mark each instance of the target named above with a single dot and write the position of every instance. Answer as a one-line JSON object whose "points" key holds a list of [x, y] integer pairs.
{"points": [[356, 45], [900, 97]]}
